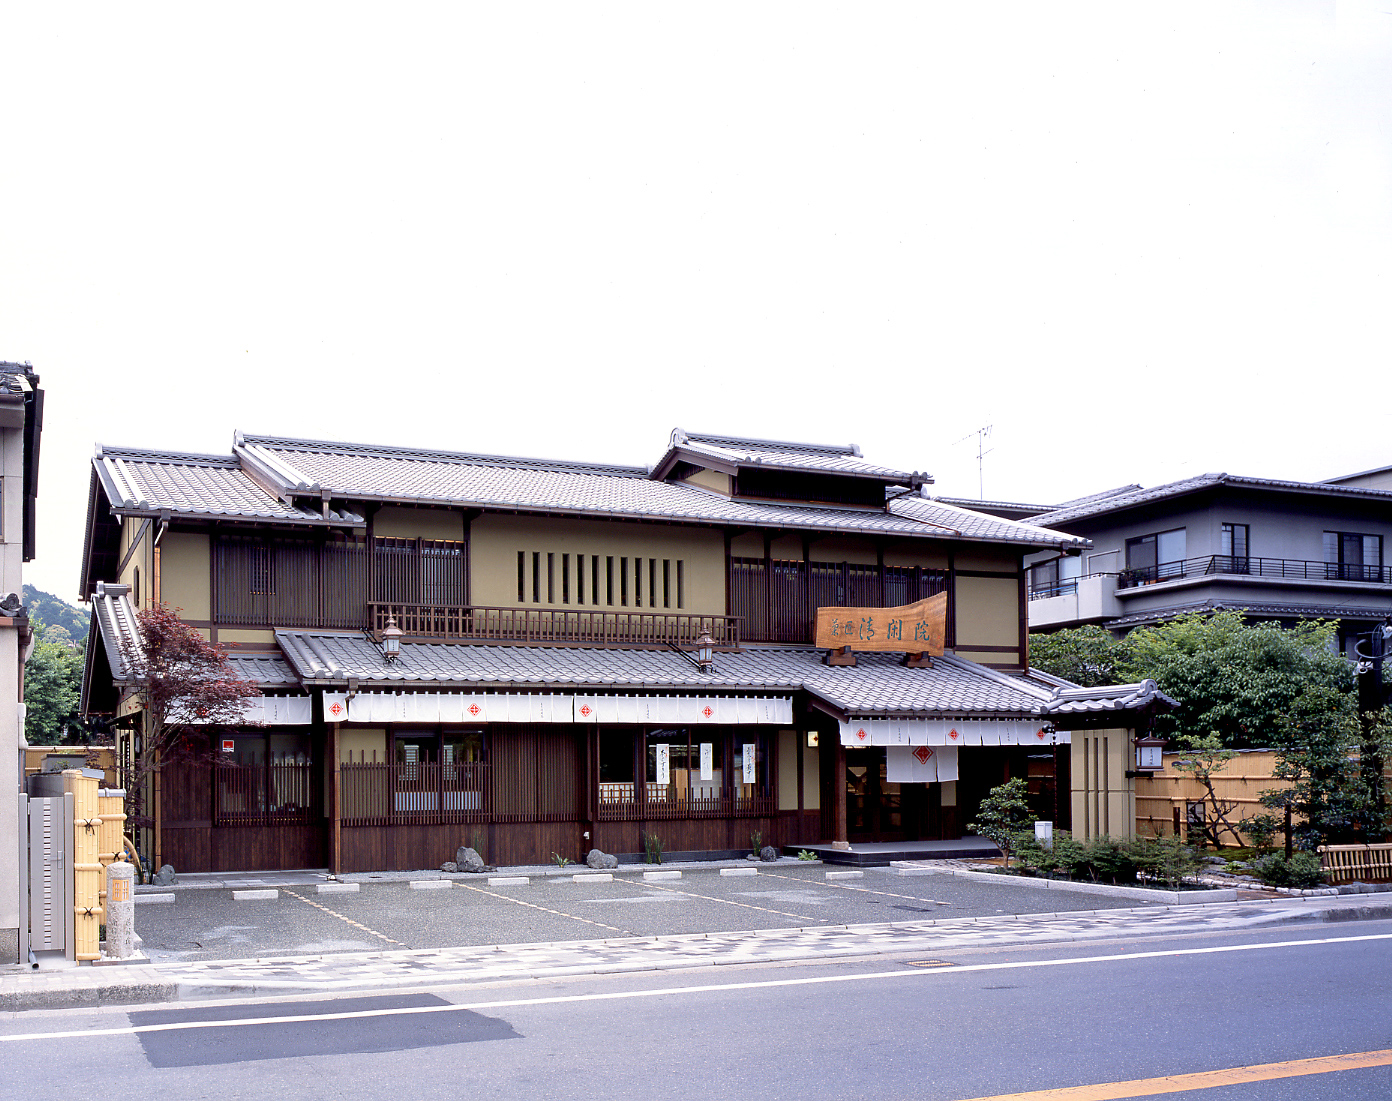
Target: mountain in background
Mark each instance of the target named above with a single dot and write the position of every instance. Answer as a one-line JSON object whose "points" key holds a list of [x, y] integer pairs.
{"points": [[53, 611]]}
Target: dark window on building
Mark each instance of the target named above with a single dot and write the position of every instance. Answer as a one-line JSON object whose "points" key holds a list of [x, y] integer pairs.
{"points": [[1352, 556], [1234, 548], [1157, 557]]}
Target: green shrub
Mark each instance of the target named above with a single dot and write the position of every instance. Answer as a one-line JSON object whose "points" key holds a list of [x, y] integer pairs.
{"points": [[1167, 859], [1301, 870]]}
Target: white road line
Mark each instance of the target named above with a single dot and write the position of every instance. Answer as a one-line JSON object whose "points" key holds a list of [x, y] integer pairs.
{"points": [[618, 995]]}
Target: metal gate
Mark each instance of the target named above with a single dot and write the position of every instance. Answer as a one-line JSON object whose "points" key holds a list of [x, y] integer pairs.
{"points": [[50, 914]]}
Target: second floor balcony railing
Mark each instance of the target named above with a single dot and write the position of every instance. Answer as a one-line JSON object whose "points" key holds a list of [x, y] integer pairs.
{"points": [[598, 626], [1294, 569]]}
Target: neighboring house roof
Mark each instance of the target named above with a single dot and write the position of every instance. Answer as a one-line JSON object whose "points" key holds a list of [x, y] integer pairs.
{"points": [[139, 482], [268, 670], [1011, 510], [1117, 501], [269, 476], [729, 453], [877, 685], [1251, 608]]}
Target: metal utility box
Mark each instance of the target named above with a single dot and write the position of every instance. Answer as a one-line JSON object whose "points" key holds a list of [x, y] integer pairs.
{"points": [[51, 913]]}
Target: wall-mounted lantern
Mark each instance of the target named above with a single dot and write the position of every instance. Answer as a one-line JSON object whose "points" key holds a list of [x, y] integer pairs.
{"points": [[391, 640], [705, 646], [1149, 754]]}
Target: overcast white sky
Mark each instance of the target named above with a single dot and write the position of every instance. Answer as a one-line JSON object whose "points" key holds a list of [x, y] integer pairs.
{"points": [[1141, 241]]}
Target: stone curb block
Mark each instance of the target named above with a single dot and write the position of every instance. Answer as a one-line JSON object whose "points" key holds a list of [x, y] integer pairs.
{"points": [[845, 875], [255, 896], [147, 899], [662, 875], [509, 881], [431, 885], [336, 888], [594, 877], [739, 871]]}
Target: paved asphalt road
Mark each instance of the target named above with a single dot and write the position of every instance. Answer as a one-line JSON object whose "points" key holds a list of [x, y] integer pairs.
{"points": [[965, 1024], [209, 924]]}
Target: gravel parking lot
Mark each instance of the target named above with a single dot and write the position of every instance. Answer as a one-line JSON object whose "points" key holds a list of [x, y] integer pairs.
{"points": [[390, 914]]}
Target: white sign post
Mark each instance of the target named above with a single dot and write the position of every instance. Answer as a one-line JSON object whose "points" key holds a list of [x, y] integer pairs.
{"points": [[664, 763], [707, 752], [751, 763]]}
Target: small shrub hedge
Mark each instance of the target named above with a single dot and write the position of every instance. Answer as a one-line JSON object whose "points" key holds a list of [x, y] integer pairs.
{"points": [[1301, 870], [1109, 860]]}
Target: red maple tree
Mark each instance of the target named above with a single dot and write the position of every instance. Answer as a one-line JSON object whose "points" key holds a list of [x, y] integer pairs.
{"points": [[186, 690]]}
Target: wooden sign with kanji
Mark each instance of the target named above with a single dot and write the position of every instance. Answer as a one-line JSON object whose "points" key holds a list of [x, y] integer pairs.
{"points": [[919, 628]]}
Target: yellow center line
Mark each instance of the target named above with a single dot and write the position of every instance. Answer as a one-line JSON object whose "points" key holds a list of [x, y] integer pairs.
{"points": [[350, 921], [544, 910], [1204, 1079]]}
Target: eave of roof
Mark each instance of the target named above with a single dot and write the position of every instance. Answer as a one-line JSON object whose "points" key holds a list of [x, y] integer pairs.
{"points": [[1198, 484]]}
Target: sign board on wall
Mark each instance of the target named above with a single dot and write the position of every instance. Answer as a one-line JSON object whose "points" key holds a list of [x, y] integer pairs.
{"points": [[919, 628], [707, 753], [751, 762], [664, 763]]}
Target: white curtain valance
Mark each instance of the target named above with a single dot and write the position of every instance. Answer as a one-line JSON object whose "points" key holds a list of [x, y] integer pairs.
{"points": [[950, 732], [276, 711], [427, 708], [921, 764]]}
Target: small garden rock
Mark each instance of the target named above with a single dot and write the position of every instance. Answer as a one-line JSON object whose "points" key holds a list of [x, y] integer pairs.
{"points": [[467, 860], [165, 876], [768, 854], [600, 860], [449, 866]]}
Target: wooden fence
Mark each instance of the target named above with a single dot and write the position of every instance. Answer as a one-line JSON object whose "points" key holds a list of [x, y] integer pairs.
{"points": [[1365, 863]]}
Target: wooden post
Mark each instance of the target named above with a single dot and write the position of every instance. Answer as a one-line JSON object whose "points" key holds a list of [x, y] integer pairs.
{"points": [[838, 798], [335, 807]]}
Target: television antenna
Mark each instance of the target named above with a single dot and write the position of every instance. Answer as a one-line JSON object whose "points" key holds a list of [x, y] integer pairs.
{"points": [[982, 451]]}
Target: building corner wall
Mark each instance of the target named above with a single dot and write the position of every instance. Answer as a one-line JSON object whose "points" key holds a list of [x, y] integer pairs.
{"points": [[1103, 796]]}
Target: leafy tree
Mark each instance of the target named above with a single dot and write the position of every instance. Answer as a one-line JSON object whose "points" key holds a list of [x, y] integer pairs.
{"points": [[186, 689], [52, 688], [1089, 656], [1004, 813], [1316, 748], [1234, 679]]}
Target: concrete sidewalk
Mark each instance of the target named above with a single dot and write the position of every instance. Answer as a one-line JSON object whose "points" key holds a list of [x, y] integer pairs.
{"points": [[350, 971]]}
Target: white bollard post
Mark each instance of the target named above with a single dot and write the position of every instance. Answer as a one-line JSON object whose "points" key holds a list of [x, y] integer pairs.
{"points": [[120, 910]]}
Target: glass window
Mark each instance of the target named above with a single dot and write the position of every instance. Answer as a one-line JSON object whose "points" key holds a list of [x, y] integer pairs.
{"points": [[1353, 556], [1235, 540]]}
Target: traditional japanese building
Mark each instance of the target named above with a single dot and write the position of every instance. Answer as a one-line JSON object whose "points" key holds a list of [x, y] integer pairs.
{"points": [[588, 655]]}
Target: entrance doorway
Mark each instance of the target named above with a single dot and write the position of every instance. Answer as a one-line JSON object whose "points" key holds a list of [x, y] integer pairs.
{"points": [[880, 810]]}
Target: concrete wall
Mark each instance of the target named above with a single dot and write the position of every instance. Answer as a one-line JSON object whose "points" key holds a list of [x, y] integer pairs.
{"points": [[1104, 800], [12, 743]]}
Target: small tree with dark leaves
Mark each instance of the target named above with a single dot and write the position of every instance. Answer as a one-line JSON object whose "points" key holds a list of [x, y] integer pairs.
{"points": [[1003, 815], [185, 688]]}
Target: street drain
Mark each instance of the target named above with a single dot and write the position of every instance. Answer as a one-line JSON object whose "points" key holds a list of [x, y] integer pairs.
{"points": [[928, 963]]}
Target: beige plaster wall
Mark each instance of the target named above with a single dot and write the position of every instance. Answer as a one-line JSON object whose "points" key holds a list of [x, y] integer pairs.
{"points": [[359, 743], [265, 638], [395, 522], [1104, 800], [494, 542], [811, 777], [988, 612], [184, 573], [710, 479], [787, 769]]}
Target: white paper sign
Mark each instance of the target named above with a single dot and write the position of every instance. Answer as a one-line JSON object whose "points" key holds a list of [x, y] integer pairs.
{"points": [[707, 753], [751, 763], [664, 763]]}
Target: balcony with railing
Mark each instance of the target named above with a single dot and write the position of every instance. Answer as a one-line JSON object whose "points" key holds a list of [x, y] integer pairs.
{"points": [[1287, 569], [545, 626]]}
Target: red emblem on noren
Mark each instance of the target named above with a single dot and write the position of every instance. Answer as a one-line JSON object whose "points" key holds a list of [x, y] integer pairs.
{"points": [[585, 711], [473, 709], [953, 735], [923, 753], [336, 709], [1040, 734], [861, 734], [707, 712]]}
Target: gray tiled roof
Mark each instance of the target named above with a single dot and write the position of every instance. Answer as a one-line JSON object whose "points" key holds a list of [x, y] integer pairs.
{"points": [[357, 472], [1115, 501], [137, 481], [781, 455], [268, 670], [114, 616], [1113, 697], [1252, 608], [878, 684]]}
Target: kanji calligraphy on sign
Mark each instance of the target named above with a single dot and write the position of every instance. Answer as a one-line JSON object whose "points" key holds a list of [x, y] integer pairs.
{"points": [[919, 628]]}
